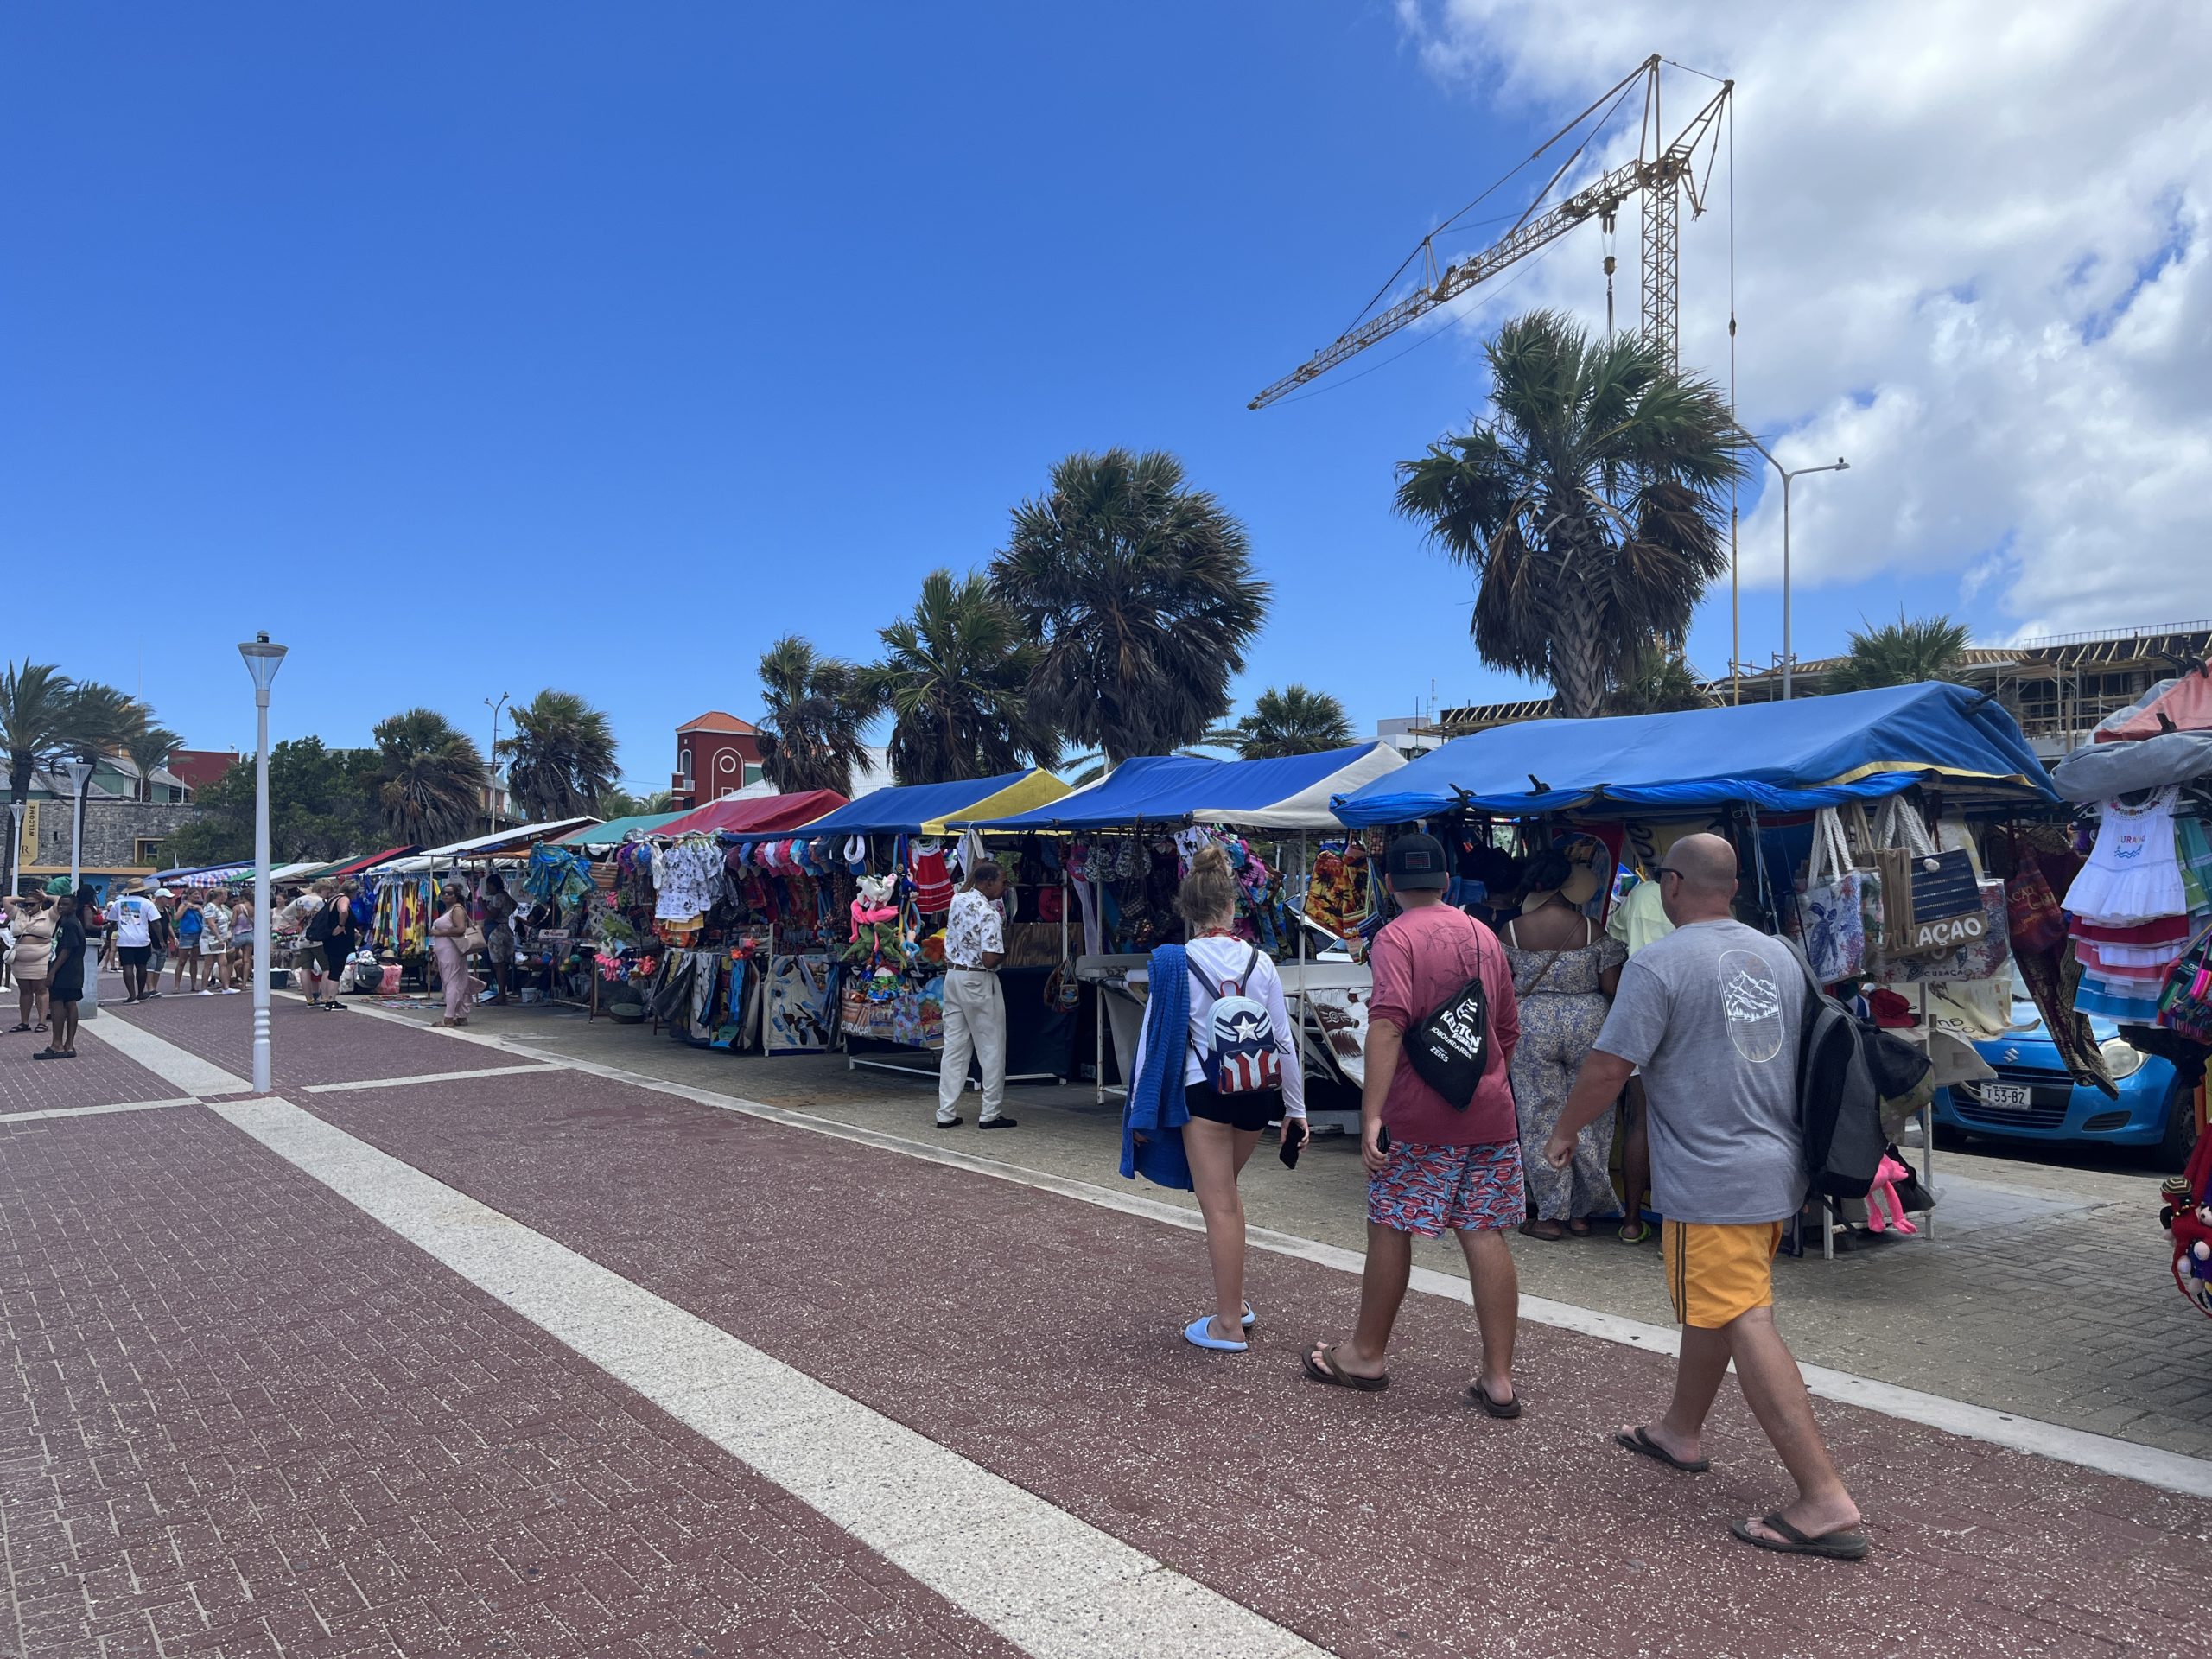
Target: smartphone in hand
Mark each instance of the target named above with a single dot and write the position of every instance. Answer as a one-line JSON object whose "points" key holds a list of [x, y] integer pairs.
{"points": [[1290, 1148]]}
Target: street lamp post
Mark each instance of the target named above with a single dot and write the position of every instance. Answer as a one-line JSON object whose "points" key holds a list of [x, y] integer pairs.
{"points": [[491, 767], [262, 661], [1839, 465], [80, 773]]}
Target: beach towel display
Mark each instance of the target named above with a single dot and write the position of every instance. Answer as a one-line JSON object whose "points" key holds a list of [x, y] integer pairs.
{"points": [[799, 1004]]}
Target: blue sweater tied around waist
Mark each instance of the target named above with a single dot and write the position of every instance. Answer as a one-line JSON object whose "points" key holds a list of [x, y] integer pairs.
{"points": [[1156, 1108]]}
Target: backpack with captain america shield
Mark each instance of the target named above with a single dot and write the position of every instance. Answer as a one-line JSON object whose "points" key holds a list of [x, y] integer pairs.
{"points": [[1240, 1057]]}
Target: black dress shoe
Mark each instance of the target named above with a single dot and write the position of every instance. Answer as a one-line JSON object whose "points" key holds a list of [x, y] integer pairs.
{"points": [[1001, 1121], [951, 1122]]}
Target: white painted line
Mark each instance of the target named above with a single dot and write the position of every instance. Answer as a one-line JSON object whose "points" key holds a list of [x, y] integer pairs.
{"points": [[95, 1111], [436, 1076], [1053, 1586], [165, 1059], [2101, 1452]]}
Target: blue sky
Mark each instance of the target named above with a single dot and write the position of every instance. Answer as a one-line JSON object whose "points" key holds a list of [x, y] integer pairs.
{"points": [[475, 349]]}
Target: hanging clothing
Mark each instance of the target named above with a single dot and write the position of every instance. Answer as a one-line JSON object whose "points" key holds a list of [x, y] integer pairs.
{"points": [[2133, 873], [932, 882]]}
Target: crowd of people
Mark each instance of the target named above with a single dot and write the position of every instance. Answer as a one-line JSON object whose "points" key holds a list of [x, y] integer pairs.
{"points": [[1658, 1014], [1681, 1013]]}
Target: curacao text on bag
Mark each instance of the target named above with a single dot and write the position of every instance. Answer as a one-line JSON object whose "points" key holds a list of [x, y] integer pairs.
{"points": [[1948, 934]]}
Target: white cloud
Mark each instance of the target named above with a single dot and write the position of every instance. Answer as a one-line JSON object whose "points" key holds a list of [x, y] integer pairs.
{"points": [[1971, 256]]}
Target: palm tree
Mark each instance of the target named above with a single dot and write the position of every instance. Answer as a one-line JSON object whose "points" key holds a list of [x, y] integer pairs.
{"points": [[1590, 504], [617, 803], [561, 759], [1658, 683], [955, 678], [150, 749], [34, 730], [1901, 653], [431, 781], [816, 708], [102, 720], [1293, 720], [1140, 592]]}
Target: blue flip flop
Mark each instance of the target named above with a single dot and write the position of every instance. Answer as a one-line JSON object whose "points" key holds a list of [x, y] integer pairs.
{"points": [[1251, 1318], [1198, 1336]]}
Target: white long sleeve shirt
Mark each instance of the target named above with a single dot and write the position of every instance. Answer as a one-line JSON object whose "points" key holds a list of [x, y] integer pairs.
{"points": [[1217, 959]]}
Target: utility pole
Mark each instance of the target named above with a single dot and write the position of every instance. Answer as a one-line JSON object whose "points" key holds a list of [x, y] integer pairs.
{"points": [[491, 784]]}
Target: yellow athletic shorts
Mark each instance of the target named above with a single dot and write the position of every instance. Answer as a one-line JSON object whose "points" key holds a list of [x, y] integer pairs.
{"points": [[1715, 1273]]}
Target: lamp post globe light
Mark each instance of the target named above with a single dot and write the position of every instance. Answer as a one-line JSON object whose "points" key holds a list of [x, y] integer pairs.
{"points": [[263, 660], [80, 774]]}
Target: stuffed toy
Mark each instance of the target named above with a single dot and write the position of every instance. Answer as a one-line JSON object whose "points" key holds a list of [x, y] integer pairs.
{"points": [[875, 944], [1883, 1196]]}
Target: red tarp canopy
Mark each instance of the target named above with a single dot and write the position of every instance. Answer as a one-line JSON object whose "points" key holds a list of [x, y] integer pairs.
{"points": [[353, 865], [2186, 707], [763, 812]]}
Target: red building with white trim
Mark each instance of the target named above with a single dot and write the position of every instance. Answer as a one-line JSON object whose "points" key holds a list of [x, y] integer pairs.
{"points": [[716, 754]]}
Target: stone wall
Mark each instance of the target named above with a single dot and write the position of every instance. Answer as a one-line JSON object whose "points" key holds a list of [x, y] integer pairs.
{"points": [[113, 831]]}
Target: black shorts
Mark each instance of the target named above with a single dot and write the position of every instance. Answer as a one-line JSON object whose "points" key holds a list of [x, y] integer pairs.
{"points": [[1254, 1110], [134, 955], [66, 995]]}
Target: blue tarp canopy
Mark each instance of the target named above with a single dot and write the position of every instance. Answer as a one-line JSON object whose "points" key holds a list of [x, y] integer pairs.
{"points": [[1292, 793], [1787, 757], [905, 811]]}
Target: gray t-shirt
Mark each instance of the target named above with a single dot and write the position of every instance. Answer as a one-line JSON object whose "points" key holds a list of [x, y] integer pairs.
{"points": [[1711, 1013]]}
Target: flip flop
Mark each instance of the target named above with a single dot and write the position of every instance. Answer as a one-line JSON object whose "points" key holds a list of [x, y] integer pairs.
{"points": [[1526, 1229], [1841, 1545], [1329, 1372], [1198, 1336], [1251, 1318], [1479, 1397], [49, 1054], [1640, 1442], [1640, 1233]]}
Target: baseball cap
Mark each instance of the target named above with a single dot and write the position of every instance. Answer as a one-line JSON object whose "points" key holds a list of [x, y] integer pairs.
{"points": [[1417, 860]]}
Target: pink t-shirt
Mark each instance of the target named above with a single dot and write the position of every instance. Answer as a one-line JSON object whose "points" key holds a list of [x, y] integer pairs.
{"points": [[1421, 961]]}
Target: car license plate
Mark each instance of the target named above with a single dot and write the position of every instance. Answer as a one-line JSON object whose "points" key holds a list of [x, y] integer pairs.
{"points": [[2015, 1096]]}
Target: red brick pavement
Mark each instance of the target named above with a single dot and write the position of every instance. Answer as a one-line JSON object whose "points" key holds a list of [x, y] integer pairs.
{"points": [[239, 1417], [1037, 1336], [98, 1076], [308, 1044]]}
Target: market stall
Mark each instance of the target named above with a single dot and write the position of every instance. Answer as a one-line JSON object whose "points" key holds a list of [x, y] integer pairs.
{"points": [[693, 934], [2133, 888], [1127, 840], [400, 894], [1877, 826], [892, 859]]}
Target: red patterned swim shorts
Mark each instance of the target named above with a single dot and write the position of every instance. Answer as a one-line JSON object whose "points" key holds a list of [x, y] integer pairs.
{"points": [[1432, 1189]]}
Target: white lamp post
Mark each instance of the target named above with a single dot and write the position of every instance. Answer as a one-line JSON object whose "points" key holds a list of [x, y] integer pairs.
{"points": [[1839, 465], [491, 786], [80, 773], [262, 661]]}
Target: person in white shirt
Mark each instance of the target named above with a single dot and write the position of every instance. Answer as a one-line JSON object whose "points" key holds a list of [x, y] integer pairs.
{"points": [[215, 942], [135, 917], [1225, 1129], [975, 1006]]}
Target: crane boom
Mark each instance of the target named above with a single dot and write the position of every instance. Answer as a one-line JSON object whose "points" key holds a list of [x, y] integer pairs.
{"points": [[1660, 176]]}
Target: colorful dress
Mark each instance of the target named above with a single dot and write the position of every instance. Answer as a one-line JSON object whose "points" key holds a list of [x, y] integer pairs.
{"points": [[1562, 1010]]}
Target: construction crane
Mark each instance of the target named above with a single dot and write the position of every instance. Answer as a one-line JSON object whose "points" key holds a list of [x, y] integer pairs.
{"points": [[1662, 176]]}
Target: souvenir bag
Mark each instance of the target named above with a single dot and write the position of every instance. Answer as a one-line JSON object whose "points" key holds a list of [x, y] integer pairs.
{"points": [[2185, 1000], [1936, 891], [1240, 1057], [2032, 908], [1981, 956], [1843, 903]]}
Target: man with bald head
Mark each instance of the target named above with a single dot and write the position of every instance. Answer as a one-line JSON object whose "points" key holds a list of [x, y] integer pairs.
{"points": [[1713, 1013]]}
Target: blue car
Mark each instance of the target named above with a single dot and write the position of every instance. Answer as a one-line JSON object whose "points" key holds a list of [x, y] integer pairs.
{"points": [[2033, 1098]]}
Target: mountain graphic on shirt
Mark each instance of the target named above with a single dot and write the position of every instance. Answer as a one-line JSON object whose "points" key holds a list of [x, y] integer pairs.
{"points": [[1747, 997]]}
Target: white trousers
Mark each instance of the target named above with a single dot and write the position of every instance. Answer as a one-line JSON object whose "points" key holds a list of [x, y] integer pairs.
{"points": [[974, 1017]]}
